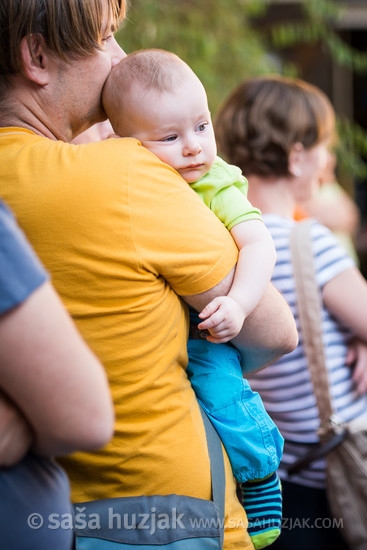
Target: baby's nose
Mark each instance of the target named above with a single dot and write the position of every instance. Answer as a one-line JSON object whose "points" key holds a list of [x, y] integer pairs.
{"points": [[192, 147]]}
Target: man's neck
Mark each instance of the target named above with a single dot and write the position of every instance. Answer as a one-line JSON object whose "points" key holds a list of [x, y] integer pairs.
{"points": [[22, 108], [14, 122]]}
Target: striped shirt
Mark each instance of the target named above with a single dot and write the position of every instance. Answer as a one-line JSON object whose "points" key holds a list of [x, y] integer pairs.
{"points": [[285, 386]]}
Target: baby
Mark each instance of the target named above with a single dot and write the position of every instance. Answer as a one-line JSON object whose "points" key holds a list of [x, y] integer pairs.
{"points": [[154, 96]]}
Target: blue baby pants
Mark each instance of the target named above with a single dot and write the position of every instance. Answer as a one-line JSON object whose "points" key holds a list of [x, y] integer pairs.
{"points": [[250, 437]]}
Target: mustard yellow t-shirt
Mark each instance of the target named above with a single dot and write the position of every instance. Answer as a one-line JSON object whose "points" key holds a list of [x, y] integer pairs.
{"points": [[123, 236]]}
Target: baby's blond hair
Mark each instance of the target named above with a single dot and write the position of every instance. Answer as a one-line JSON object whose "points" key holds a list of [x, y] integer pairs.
{"points": [[151, 69]]}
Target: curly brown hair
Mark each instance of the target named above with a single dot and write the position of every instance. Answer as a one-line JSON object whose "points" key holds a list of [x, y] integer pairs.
{"points": [[264, 117]]}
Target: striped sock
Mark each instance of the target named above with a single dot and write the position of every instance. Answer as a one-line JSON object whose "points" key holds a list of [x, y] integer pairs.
{"points": [[262, 500]]}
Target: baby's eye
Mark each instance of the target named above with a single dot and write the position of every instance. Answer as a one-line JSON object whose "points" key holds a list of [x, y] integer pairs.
{"points": [[201, 127], [107, 38], [169, 138]]}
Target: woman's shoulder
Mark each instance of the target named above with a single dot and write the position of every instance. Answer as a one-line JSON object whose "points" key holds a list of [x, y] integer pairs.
{"points": [[323, 239], [330, 258]]}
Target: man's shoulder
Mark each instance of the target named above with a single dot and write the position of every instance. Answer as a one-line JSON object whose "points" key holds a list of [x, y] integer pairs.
{"points": [[120, 149], [116, 154]]}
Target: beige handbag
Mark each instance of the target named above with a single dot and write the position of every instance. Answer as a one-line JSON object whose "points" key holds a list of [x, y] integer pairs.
{"points": [[343, 445]]}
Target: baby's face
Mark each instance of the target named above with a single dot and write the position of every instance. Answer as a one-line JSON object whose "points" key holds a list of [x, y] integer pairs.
{"points": [[175, 126]]}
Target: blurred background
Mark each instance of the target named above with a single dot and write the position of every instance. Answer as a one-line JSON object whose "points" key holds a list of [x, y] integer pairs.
{"points": [[322, 41]]}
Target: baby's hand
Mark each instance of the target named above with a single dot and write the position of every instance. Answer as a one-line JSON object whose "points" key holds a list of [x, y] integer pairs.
{"points": [[223, 318]]}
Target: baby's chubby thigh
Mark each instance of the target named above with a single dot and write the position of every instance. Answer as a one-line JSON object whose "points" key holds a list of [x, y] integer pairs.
{"points": [[215, 373]]}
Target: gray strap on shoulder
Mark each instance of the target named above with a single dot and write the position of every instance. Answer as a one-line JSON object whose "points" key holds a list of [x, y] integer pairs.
{"points": [[216, 469]]}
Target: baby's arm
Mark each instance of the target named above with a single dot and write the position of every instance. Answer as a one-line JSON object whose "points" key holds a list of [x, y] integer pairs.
{"points": [[224, 316]]}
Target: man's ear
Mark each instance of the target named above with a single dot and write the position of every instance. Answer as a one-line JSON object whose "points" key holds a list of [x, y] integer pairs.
{"points": [[35, 59], [295, 159]]}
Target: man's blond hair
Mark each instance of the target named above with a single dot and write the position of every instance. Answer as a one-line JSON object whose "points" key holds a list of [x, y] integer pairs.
{"points": [[70, 28]]}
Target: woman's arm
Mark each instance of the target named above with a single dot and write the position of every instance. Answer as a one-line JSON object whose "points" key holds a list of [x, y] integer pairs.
{"points": [[345, 296], [50, 374]]}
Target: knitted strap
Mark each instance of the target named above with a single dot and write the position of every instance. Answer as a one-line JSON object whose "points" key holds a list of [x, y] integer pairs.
{"points": [[309, 309]]}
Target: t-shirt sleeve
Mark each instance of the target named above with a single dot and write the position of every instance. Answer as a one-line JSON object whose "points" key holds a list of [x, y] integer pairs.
{"points": [[176, 235], [35, 483], [224, 190], [330, 257], [232, 207], [20, 270]]}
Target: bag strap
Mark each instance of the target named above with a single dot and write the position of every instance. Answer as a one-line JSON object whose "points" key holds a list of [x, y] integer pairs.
{"points": [[216, 469], [309, 309]]}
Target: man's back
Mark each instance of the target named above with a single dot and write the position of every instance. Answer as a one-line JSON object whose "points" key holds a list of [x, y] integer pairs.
{"points": [[119, 243]]}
